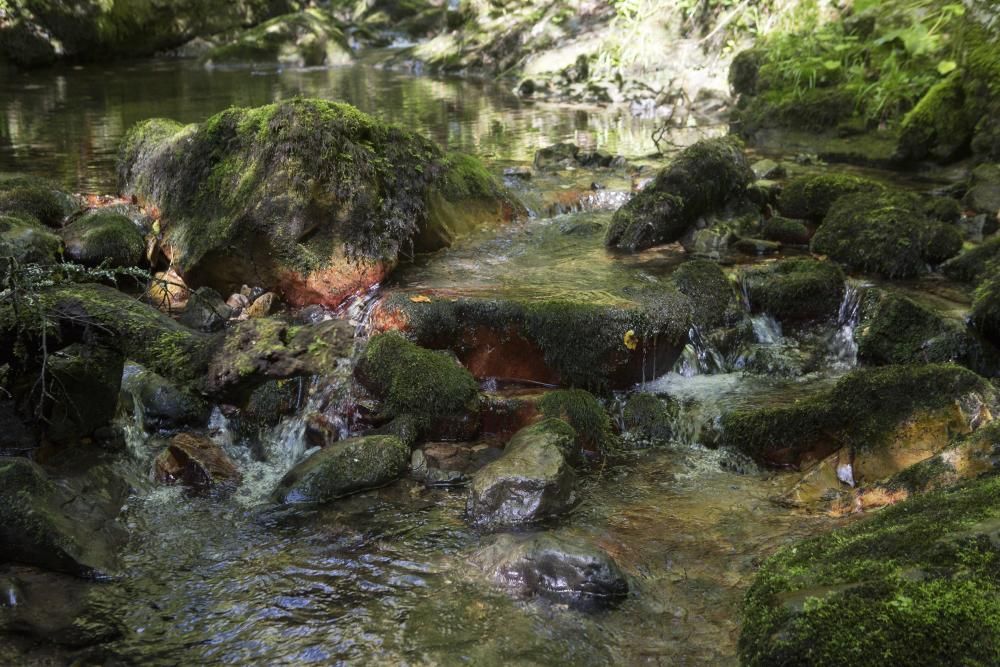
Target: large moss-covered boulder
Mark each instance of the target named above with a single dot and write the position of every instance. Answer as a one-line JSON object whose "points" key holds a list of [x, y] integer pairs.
{"points": [[39, 524], [795, 289], [429, 385], [886, 417], [310, 198], [104, 238], [941, 125], [885, 234], [533, 480], [35, 197], [915, 584], [309, 38], [973, 264], [24, 241], [712, 295], [810, 197], [703, 178], [345, 468]]}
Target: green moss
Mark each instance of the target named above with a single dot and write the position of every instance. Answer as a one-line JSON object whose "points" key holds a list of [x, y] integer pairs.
{"points": [[897, 330], [309, 38], [941, 125], [712, 295], [414, 381], [972, 264], [38, 198], [985, 315], [813, 109], [104, 238], [917, 584], [795, 289], [649, 418], [810, 197], [25, 241], [885, 234], [465, 176], [860, 412], [704, 177], [785, 230], [942, 209], [581, 410]]}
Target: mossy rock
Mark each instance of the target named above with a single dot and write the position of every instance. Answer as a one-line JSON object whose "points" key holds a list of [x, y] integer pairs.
{"points": [[861, 412], [985, 315], [810, 197], [915, 584], [974, 263], [885, 234], [969, 457], [785, 230], [983, 194], [35, 198], [25, 241], [795, 289], [896, 330], [814, 109], [649, 418], [104, 238], [310, 38], [581, 410], [703, 178], [744, 71], [290, 194], [941, 125], [942, 209], [344, 468], [713, 296], [413, 381], [158, 404]]}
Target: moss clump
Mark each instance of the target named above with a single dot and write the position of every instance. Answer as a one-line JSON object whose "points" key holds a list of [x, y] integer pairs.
{"points": [[885, 234], [814, 109], [26, 242], [413, 381], [916, 584], [785, 230], [310, 38], [942, 209], [703, 178], [942, 123], [713, 298], [795, 289], [810, 197], [985, 314], [649, 418], [861, 411], [104, 238], [972, 264], [581, 410], [897, 330], [35, 197]]}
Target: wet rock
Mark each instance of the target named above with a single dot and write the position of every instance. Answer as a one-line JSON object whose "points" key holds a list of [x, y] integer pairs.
{"points": [[915, 581], [84, 383], [815, 110], [260, 307], [703, 178], [757, 247], [158, 404], [794, 289], [557, 156], [559, 568], [206, 311], [104, 237], [983, 194], [301, 215], [533, 480], [648, 419], [971, 456], [344, 468], [309, 38], [39, 527], [36, 198], [427, 384], [26, 242], [581, 410], [196, 462], [941, 125], [810, 197], [271, 401], [890, 417], [768, 169], [713, 297], [167, 292], [885, 234], [786, 231]]}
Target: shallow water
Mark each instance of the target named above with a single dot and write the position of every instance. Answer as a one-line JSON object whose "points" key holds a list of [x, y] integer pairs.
{"points": [[385, 577]]}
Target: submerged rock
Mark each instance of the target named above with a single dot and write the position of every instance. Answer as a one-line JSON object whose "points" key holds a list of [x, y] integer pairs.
{"points": [[104, 238], [555, 567], [703, 178], [344, 468], [313, 199], [533, 480], [309, 38], [196, 462], [794, 289], [915, 584]]}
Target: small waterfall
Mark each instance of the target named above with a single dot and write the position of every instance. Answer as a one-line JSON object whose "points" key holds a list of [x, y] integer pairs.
{"points": [[766, 329], [843, 350]]}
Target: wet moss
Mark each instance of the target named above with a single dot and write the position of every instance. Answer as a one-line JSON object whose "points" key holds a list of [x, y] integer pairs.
{"points": [[712, 295], [795, 289], [897, 330], [860, 412], [941, 124], [916, 584], [703, 178], [413, 381], [309, 38], [581, 410], [785, 230], [885, 234], [104, 238], [25, 241], [35, 197], [810, 197], [972, 264], [942, 209], [649, 418]]}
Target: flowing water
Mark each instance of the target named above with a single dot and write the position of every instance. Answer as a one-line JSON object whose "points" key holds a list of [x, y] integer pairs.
{"points": [[385, 577]]}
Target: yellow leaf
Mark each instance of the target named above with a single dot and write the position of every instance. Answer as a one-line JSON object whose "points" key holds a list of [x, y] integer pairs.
{"points": [[420, 298], [630, 339]]}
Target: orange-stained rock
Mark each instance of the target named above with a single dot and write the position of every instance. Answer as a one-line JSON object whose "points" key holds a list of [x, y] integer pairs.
{"points": [[196, 462], [332, 285]]}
